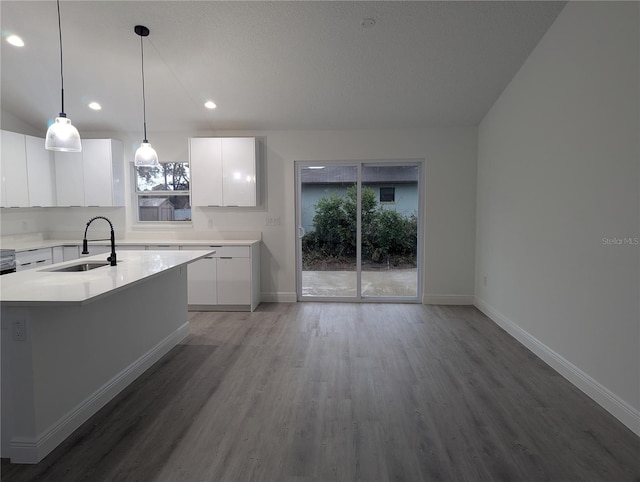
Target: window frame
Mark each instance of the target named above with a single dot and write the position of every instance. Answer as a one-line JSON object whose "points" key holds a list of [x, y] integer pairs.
{"points": [[139, 194]]}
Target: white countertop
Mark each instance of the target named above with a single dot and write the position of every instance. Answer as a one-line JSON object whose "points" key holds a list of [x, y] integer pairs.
{"points": [[50, 243], [42, 286]]}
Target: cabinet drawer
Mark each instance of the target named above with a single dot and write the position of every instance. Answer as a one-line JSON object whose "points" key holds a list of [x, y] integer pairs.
{"points": [[202, 248], [33, 255], [232, 252], [33, 258], [222, 251], [162, 247], [130, 247]]}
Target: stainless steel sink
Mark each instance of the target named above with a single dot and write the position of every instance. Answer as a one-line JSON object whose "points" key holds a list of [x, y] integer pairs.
{"points": [[85, 266]]}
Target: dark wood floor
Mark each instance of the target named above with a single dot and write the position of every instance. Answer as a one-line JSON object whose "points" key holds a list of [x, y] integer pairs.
{"points": [[322, 392]]}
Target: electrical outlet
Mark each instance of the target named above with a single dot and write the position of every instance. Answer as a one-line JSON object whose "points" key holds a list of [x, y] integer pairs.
{"points": [[272, 221], [20, 330]]}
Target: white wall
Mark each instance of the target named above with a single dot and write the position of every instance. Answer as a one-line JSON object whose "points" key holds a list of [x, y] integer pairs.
{"points": [[450, 177], [9, 122], [558, 171]]}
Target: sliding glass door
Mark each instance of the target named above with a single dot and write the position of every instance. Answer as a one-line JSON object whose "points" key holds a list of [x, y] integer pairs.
{"points": [[359, 231]]}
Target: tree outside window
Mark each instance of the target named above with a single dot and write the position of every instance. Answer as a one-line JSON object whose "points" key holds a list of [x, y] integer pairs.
{"points": [[163, 192]]}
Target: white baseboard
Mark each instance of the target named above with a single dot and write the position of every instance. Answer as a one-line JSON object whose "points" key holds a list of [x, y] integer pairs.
{"points": [[604, 397], [447, 299], [284, 297], [29, 451], [280, 297]]}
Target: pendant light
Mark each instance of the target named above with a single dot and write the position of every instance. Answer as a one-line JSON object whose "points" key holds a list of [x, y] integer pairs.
{"points": [[145, 155], [62, 135]]}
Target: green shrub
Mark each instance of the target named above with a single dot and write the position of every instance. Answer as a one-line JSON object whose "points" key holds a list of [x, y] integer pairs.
{"points": [[386, 234]]}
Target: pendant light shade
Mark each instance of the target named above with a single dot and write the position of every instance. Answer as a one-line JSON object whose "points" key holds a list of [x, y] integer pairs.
{"points": [[62, 135], [145, 155]]}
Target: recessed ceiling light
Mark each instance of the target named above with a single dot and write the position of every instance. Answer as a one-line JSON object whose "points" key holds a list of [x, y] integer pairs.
{"points": [[95, 106], [210, 104], [15, 41]]}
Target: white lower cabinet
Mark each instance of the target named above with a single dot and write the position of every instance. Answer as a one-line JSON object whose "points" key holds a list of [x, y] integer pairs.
{"points": [[33, 258], [226, 280], [70, 252], [235, 285], [202, 282], [58, 254]]}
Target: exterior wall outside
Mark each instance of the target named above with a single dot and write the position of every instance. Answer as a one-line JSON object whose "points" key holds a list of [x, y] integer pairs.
{"points": [[406, 199]]}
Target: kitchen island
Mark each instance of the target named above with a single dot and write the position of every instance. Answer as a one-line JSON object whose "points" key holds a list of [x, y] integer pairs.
{"points": [[229, 280], [71, 341]]}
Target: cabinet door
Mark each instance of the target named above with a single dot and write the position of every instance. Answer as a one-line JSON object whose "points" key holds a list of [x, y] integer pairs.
{"points": [[70, 252], [234, 287], [103, 172], [13, 166], [202, 282], [69, 178], [40, 173], [239, 171], [205, 163], [58, 254], [117, 172]]}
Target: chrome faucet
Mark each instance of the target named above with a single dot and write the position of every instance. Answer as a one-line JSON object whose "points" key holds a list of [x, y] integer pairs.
{"points": [[85, 247]]}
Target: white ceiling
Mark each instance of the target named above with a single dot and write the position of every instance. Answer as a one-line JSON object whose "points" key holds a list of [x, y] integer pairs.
{"points": [[268, 65]]}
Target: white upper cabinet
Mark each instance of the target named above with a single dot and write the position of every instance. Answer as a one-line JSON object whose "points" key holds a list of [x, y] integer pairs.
{"points": [[223, 171], [33, 176], [69, 178], [93, 177], [103, 172], [13, 166], [40, 173], [205, 164], [239, 171]]}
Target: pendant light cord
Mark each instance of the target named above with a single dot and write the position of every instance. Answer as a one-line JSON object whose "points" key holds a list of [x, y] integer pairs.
{"points": [[144, 104], [62, 114]]}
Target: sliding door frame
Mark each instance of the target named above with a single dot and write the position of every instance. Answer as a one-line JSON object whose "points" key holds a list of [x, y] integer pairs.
{"points": [[299, 231]]}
